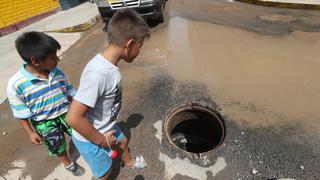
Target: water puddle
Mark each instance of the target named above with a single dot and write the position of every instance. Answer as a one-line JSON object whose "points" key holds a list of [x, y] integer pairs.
{"points": [[258, 79]]}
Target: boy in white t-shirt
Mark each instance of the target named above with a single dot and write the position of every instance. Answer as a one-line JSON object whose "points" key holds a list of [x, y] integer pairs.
{"points": [[97, 103]]}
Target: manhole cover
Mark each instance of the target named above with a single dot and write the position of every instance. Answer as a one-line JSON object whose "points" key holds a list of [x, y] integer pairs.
{"points": [[194, 128]]}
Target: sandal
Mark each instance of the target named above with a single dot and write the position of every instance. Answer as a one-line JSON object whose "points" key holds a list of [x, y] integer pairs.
{"points": [[139, 163]]}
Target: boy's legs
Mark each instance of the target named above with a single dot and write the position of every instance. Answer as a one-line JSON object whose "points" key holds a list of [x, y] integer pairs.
{"points": [[76, 169], [124, 152], [105, 177], [122, 147], [63, 157], [52, 133], [96, 157]]}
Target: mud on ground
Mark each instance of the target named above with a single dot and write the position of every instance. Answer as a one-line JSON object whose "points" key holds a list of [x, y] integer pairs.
{"points": [[259, 65]]}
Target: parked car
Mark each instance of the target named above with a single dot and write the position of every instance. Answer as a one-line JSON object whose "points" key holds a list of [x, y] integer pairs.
{"points": [[149, 9]]}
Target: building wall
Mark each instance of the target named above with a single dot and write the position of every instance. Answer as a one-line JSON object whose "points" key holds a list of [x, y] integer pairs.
{"points": [[15, 11]]}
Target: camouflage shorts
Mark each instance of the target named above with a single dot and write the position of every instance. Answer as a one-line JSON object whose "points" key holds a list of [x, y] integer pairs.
{"points": [[52, 133]]}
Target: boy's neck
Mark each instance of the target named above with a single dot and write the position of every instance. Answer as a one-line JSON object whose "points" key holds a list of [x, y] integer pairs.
{"points": [[42, 74], [113, 54]]}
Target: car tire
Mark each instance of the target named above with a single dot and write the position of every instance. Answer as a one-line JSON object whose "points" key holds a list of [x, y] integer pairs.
{"points": [[105, 27], [160, 17]]}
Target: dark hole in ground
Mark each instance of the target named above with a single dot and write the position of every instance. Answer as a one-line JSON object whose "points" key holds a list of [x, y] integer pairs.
{"points": [[196, 131]]}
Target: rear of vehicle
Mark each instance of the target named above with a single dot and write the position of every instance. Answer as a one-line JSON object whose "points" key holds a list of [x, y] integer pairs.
{"points": [[149, 9]]}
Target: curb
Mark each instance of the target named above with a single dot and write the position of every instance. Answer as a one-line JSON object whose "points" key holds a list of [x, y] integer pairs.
{"points": [[282, 4], [78, 28]]}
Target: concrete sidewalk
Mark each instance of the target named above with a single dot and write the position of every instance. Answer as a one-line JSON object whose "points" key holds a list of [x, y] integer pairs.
{"points": [[10, 60]]}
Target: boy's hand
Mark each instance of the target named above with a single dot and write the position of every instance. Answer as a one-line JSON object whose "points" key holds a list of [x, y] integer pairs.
{"points": [[35, 138], [110, 138]]}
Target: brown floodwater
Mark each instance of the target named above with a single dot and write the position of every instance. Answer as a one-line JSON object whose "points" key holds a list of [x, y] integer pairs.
{"points": [[258, 68], [258, 79]]}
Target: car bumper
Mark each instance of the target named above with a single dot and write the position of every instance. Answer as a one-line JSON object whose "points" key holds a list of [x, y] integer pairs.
{"points": [[147, 10]]}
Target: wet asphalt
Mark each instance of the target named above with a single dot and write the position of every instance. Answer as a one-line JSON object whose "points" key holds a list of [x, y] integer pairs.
{"points": [[271, 151]]}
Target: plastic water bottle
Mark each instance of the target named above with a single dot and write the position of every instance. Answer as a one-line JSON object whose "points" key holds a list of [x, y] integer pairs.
{"points": [[112, 153]]}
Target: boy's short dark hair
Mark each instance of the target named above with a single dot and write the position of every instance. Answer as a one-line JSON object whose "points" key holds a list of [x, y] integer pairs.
{"points": [[127, 24], [37, 45]]}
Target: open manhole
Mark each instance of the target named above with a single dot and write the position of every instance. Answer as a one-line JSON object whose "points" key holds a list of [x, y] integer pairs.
{"points": [[194, 128]]}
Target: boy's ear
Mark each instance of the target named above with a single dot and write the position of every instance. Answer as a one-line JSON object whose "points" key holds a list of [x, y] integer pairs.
{"points": [[129, 43], [34, 61]]}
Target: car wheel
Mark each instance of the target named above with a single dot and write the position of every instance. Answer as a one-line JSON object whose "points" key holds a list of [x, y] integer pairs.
{"points": [[160, 17]]}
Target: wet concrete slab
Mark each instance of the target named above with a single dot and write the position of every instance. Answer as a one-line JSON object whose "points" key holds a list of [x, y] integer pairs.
{"points": [[257, 66]]}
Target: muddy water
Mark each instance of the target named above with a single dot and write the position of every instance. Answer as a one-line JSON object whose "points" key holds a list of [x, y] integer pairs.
{"points": [[256, 79]]}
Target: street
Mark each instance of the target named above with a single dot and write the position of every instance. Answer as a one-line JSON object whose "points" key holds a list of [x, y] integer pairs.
{"points": [[258, 65]]}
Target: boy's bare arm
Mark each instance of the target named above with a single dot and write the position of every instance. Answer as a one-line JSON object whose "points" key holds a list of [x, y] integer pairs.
{"points": [[77, 120], [33, 136]]}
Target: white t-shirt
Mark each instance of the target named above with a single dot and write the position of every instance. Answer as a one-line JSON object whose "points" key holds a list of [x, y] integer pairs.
{"points": [[100, 89]]}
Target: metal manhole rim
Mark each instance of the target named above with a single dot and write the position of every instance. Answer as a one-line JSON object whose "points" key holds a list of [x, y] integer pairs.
{"points": [[194, 106]]}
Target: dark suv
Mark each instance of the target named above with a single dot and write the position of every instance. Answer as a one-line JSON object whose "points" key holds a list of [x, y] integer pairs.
{"points": [[149, 9]]}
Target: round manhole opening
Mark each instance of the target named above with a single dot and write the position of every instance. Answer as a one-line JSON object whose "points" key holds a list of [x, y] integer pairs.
{"points": [[194, 128]]}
